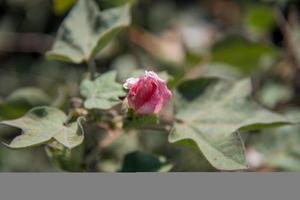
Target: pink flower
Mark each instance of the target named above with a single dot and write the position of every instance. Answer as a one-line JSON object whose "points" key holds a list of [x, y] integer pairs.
{"points": [[148, 94]]}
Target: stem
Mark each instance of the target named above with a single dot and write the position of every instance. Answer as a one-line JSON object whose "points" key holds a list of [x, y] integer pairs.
{"points": [[69, 117], [92, 69], [288, 37]]}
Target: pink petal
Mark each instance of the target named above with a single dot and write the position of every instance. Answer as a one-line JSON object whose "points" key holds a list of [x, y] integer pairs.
{"points": [[147, 94], [130, 82]]}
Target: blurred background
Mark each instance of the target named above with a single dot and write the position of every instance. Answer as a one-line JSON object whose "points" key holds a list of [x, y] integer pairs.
{"points": [[186, 38]]}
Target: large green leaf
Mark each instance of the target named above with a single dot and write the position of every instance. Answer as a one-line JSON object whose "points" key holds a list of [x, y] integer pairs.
{"points": [[279, 147], [221, 70], [28, 96], [22, 100], [212, 112], [188, 158], [27, 160], [86, 30], [103, 92], [273, 93], [244, 55], [42, 124]]}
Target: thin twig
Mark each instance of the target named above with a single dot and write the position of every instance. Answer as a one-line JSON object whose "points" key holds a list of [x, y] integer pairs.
{"points": [[291, 43], [92, 69], [69, 117]]}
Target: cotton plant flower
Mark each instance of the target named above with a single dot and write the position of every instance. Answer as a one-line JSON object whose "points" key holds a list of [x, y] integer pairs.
{"points": [[147, 94]]}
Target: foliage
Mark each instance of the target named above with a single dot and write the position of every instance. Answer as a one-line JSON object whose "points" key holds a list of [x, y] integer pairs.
{"points": [[103, 92], [42, 124], [233, 73], [96, 30], [60, 7], [213, 115], [244, 54]]}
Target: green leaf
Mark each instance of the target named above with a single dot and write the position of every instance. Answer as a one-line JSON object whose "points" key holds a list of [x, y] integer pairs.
{"points": [[28, 96], [60, 7], [87, 30], [212, 112], [103, 92], [273, 93], [260, 18], [279, 147], [22, 100], [42, 124], [188, 158], [221, 70], [9, 111], [27, 160], [64, 158], [244, 55], [143, 162]]}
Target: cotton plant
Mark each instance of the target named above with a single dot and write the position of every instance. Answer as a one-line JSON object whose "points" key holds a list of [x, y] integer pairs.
{"points": [[208, 113]]}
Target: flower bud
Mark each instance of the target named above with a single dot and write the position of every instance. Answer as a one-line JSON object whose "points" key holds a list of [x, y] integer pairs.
{"points": [[148, 94]]}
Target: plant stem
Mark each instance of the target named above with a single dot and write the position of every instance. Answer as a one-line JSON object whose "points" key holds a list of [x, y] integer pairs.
{"points": [[69, 117], [288, 37], [92, 69]]}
